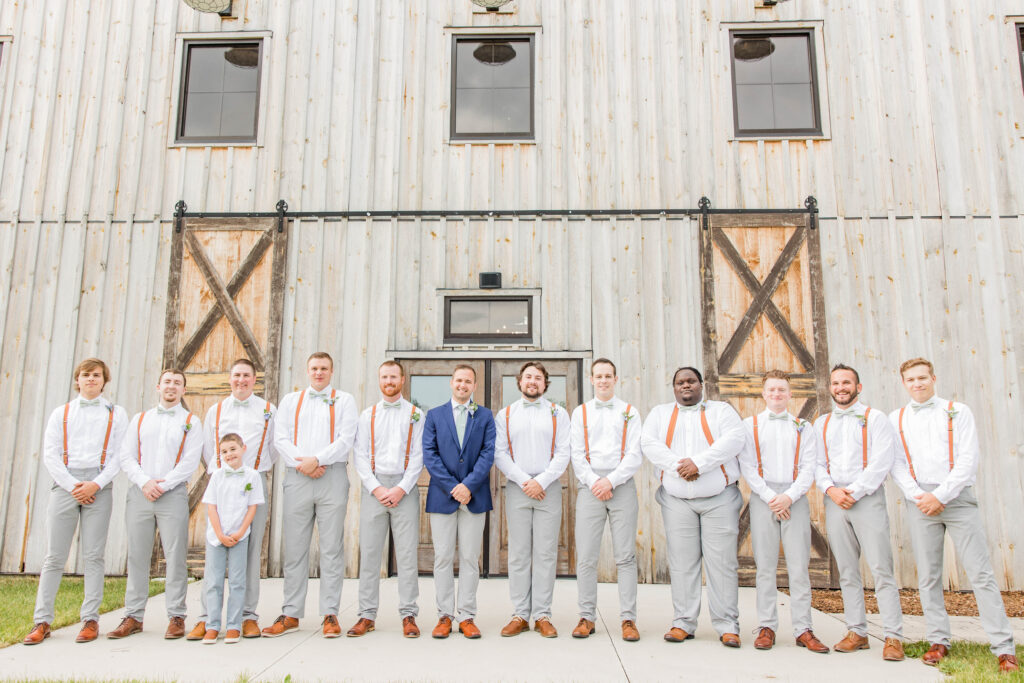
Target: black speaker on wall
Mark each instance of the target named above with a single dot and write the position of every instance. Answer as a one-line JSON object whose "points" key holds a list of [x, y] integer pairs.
{"points": [[490, 280]]}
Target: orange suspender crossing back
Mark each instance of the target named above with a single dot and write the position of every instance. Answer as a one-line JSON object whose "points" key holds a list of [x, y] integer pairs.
{"points": [[373, 439], [757, 449], [586, 436], [106, 437], [949, 432]]}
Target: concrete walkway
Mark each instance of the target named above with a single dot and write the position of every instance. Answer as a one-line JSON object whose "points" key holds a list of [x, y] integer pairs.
{"points": [[385, 655]]}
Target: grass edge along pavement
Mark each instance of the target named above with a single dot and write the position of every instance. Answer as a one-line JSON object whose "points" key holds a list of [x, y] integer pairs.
{"points": [[967, 662], [18, 598]]}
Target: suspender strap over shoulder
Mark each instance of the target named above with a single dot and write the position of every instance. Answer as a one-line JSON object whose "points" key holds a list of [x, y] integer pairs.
{"points": [[106, 437], [703, 425], [181, 446], [263, 437], [863, 439], [508, 432], [216, 432], [298, 409], [373, 439], [586, 435], [949, 436], [796, 456], [554, 433]]}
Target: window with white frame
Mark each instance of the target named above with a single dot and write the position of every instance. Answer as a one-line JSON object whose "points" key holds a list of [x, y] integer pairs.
{"points": [[220, 91]]}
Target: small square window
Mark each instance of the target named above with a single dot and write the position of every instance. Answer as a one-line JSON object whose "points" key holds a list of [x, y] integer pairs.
{"points": [[482, 319], [220, 92], [775, 90], [492, 87]]}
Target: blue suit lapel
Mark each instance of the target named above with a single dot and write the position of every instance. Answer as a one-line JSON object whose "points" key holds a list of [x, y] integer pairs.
{"points": [[449, 420], [470, 422]]}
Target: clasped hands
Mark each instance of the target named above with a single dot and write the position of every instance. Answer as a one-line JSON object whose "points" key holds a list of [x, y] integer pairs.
{"points": [[230, 540], [310, 466], [389, 497], [85, 492]]}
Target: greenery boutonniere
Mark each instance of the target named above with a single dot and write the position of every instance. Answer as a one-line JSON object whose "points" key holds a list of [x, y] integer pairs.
{"points": [[472, 406], [951, 413], [415, 416], [331, 400], [801, 425], [861, 420], [626, 416], [248, 487], [266, 416], [187, 426]]}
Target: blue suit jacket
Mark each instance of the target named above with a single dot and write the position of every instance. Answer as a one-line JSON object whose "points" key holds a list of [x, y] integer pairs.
{"points": [[449, 465]]}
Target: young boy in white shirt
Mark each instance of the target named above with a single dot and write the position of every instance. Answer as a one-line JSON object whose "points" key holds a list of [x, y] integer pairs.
{"points": [[231, 496]]}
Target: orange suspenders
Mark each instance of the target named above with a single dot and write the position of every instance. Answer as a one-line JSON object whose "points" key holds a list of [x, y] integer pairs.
{"points": [[263, 438], [295, 439], [508, 433], [949, 431], [586, 436], [181, 447], [707, 435], [373, 440], [863, 438], [106, 437], [757, 449]]}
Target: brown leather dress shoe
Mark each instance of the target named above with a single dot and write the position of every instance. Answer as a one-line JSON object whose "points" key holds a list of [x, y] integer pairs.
{"points": [[583, 629], [469, 629], [545, 628], [732, 639], [331, 627], [515, 627], [360, 628], [851, 643], [629, 631], [1007, 664], [893, 650], [280, 626], [765, 639], [38, 634], [175, 628], [810, 641], [250, 628], [127, 627], [936, 653], [409, 628], [677, 635], [443, 628], [90, 631], [197, 632]]}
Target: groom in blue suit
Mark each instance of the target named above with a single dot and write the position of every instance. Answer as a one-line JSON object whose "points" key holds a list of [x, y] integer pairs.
{"points": [[458, 451]]}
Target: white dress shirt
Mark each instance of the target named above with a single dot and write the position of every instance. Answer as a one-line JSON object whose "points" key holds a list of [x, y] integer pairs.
{"points": [[161, 438], [605, 425], [248, 419], [314, 438], [927, 436], [87, 429], [391, 437], [531, 442], [689, 441], [845, 451], [777, 439], [232, 492]]}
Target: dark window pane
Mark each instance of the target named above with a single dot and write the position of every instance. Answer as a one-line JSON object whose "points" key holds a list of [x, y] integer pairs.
{"points": [[754, 106], [221, 92], [489, 318], [492, 87], [791, 61], [793, 106], [749, 66]]}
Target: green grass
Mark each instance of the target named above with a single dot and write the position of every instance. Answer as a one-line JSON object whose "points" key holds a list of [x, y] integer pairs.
{"points": [[968, 662], [18, 599]]}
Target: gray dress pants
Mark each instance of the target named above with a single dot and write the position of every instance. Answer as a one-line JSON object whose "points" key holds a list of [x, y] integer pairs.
{"points": [[533, 527], [696, 529], [865, 528], [374, 522], [468, 529], [63, 515], [306, 501], [795, 534], [621, 514], [169, 514], [963, 522]]}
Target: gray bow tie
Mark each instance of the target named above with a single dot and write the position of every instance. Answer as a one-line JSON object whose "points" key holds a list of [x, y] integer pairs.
{"points": [[841, 413], [778, 416], [241, 404], [921, 406], [83, 402], [692, 408], [396, 404], [160, 410], [604, 404], [228, 472]]}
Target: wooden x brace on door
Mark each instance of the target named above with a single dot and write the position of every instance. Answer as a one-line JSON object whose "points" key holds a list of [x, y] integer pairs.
{"points": [[762, 303]]}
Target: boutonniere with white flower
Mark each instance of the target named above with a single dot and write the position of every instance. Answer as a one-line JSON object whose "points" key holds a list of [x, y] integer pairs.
{"points": [[951, 413], [627, 416], [415, 416], [861, 420], [266, 416], [110, 407], [801, 425], [554, 409], [472, 406], [331, 400], [187, 426]]}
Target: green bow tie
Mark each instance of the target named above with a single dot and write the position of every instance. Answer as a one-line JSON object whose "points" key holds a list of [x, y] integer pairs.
{"points": [[921, 406], [535, 404], [849, 411], [396, 404], [318, 394], [688, 409], [163, 411], [604, 404], [228, 472], [241, 404], [94, 402], [778, 416]]}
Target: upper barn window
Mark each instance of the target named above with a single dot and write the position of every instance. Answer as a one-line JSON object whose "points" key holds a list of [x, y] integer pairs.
{"points": [[775, 88], [220, 92], [1020, 48], [492, 87]]}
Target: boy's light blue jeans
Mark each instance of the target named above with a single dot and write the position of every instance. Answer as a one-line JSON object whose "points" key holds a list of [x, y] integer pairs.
{"points": [[233, 559]]}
